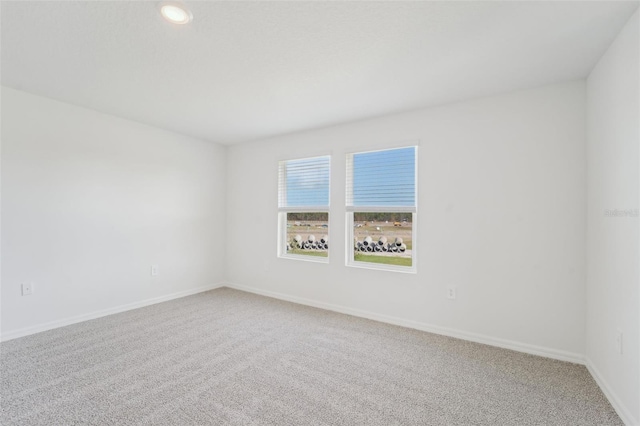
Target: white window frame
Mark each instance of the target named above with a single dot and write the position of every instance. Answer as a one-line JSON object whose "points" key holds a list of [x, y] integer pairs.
{"points": [[349, 222], [282, 215]]}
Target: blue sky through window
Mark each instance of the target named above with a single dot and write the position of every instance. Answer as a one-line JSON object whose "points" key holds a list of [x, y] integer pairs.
{"points": [[385, 178], [308, 182]]}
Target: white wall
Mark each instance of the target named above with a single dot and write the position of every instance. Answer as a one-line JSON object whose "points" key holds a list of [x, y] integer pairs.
{"points": [[90, 201], [613, 280], [502, 190]]}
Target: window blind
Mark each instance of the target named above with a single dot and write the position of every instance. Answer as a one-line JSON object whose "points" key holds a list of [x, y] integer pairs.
{"points": [[382, 180], [304, 184]]}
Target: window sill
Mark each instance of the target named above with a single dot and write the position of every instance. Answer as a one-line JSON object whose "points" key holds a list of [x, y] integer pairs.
{"points": [[312, 259], [382, 267]]}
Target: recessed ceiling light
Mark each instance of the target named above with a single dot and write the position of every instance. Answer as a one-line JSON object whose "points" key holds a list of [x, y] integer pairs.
{"points": [[176, 13]]}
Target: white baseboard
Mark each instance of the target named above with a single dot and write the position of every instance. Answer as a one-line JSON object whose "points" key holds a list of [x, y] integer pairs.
{"points": [[622, 411], [21, 332], [445, 331]]}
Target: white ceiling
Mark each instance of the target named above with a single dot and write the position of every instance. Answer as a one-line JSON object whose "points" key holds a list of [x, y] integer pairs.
{"points": [[247, 70]]}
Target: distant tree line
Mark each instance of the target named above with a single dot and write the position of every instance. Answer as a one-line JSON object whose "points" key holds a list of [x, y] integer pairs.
{"points": [[358, 217], [308, 217], [381, 217]]}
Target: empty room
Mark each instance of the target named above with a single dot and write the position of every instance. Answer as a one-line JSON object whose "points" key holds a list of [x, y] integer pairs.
{"points": [[320, 213]]}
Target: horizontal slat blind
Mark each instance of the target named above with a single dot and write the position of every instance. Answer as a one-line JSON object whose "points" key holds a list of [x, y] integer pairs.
{"points": [[382, 180], [304, 184]]}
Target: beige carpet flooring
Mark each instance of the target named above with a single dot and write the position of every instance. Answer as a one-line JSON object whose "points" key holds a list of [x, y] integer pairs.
{"points": [[229, 357]]}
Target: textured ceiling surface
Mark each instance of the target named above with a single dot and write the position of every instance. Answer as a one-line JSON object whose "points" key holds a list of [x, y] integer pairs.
{"points": [[248, 70]]}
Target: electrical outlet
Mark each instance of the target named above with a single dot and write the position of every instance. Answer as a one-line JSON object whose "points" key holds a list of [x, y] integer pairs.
{"points": [[154, 270], [619, 337], [27, 289], [451, 292]]}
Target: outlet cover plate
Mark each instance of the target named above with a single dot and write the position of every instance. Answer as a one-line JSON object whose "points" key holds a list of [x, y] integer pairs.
{"points": [[619, 341], [451, 293], [27, 289]]}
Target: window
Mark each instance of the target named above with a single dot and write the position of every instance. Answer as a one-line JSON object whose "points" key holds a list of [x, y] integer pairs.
{"points": [[303, 205], [381, 209]]}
